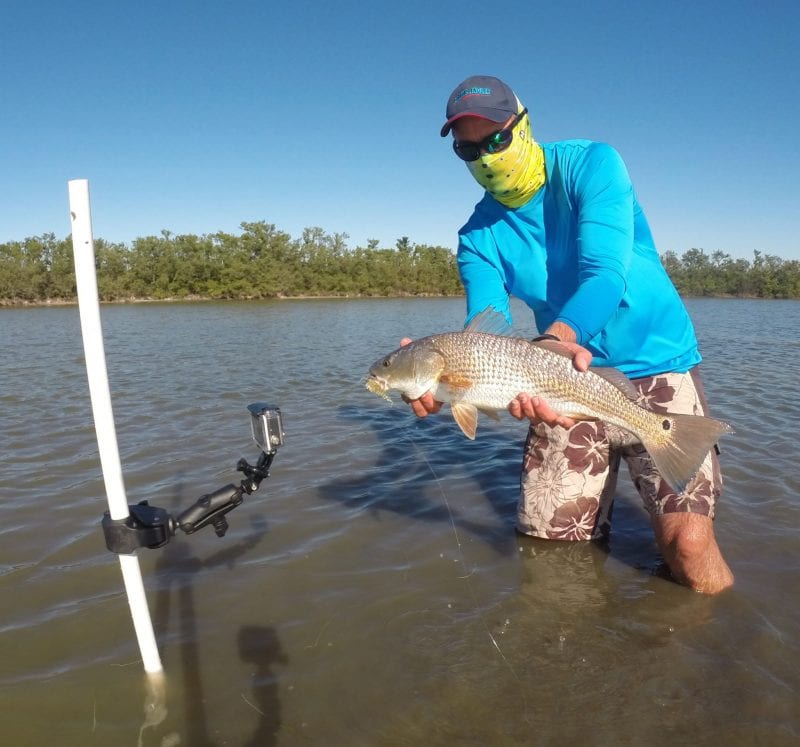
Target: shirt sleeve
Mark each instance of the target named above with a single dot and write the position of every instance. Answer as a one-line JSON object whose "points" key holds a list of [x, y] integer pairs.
{"points": [[604, 199], [482, 282]]}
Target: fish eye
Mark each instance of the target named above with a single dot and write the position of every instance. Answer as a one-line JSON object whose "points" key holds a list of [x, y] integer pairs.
{"points": [[386, 362]]}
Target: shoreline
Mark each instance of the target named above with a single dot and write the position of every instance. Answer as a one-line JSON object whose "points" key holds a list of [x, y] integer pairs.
{"points": [[53, 302], [56, 302]]}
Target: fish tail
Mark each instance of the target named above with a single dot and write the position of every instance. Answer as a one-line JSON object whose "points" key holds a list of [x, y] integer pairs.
{"points": [[679, 450]]}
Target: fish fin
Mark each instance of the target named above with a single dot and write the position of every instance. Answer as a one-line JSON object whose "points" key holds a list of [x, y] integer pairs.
{"points": [[454, 381], [620, 437], [490, 322], [467, 418], [612, 375], [493, 414], [577, 416], [620, 380], [555, 346], [688, 439]]}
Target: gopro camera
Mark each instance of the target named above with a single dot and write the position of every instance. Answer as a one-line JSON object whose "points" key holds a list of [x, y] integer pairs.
{"points": [[267, 426]]}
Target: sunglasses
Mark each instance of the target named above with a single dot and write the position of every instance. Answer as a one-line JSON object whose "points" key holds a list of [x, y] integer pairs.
{"points": [[494, 143]]}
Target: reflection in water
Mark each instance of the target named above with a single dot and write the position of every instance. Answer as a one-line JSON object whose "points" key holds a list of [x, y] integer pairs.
{"points": [[568, 586], [564, 577], [155, 707]]}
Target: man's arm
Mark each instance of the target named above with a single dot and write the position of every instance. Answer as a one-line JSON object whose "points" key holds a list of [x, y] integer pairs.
{"points": [[603, 195]]}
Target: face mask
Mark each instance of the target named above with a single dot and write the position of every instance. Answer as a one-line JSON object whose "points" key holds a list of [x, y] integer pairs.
{"points": [[515, 174]]}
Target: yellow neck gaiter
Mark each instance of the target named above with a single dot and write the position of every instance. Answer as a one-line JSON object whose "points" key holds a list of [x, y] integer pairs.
{"points": [[514, 175]]}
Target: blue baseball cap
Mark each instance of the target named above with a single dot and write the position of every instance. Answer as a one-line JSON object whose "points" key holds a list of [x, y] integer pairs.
{"points": [[480, 96]]}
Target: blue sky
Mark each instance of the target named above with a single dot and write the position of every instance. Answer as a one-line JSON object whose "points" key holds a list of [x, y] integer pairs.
{"points": [[195, 116]]}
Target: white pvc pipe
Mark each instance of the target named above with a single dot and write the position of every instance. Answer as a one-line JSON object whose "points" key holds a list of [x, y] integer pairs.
{"points": [[92, 331]]}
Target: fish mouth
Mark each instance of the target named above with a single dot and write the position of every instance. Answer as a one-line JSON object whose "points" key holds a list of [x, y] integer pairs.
{"points": [[377, 386]]}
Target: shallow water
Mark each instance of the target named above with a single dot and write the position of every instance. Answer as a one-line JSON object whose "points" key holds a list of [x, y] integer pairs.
{"points": [[373, 592]]}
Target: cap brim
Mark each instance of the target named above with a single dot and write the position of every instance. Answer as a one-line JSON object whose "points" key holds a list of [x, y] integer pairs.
{"points": [[449, 123]]}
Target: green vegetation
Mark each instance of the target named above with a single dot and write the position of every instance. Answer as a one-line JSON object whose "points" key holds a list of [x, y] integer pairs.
{"points": [[263, 262], [698, 274]]}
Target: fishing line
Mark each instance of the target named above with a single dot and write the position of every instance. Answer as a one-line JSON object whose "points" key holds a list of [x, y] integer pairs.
{"points": [[407, 433], [462, 559]]}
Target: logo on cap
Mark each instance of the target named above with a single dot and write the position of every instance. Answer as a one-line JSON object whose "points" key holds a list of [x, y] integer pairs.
{"points": [[474, 91]]}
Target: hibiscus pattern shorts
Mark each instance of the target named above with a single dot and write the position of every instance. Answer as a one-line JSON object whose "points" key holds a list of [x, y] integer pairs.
{"points": [[569, 475]]}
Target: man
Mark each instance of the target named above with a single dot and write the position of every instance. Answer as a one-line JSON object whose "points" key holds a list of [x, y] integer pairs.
{"points": [[560, 228]]}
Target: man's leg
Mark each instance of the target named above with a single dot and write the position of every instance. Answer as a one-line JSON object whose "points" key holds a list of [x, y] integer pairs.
{"points": [[690, 550], [567, 483], [682, 522]]}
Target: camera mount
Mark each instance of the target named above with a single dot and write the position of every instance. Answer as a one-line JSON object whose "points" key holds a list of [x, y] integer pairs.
{"points": [[153, 527]]}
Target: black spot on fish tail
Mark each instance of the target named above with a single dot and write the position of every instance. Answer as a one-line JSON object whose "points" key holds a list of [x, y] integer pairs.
{"points": [[687, 441]]}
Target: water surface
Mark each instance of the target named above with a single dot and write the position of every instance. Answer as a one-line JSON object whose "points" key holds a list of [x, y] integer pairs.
{"points": [[373, 592]]}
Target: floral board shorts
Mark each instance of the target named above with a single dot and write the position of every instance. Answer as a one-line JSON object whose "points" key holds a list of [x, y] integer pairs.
{"points": [[569, 475]]}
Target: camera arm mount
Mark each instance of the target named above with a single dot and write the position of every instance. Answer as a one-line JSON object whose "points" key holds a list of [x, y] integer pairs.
{"points": [[150, 526], [212, 507], [153, 527]]}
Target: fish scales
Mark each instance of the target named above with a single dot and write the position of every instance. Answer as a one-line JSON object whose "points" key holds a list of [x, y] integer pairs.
{"points": [[502, 367]]}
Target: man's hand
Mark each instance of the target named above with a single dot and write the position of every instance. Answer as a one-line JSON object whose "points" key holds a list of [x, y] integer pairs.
{"points": [[426, 404], [536, 409]]}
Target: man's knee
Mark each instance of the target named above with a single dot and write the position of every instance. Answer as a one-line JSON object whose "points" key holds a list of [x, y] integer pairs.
{"points": [[686, 538], [690, 550]]}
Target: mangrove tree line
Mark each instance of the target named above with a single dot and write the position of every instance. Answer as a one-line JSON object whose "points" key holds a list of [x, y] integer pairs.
{"points": [[263, 262]]}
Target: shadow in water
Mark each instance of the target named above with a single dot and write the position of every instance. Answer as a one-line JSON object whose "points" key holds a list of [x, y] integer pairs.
{"points": [[410, 475], [177, 568], [262, 647]]}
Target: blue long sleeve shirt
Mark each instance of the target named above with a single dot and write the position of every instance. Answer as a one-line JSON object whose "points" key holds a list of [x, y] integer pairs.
{"points": [[580, 251]]}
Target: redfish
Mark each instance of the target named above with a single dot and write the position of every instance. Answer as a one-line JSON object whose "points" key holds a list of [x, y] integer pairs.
{"points": [[478, 371]]}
